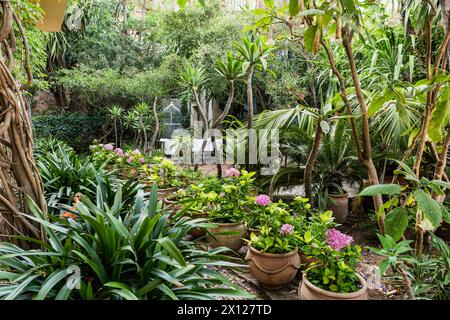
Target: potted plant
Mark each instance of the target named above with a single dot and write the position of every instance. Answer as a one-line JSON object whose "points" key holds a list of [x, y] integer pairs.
{"points": [[163, 172], [335, 164], [226, 209], [272, 255], [256, 209], [333, 276], [312, 225]]}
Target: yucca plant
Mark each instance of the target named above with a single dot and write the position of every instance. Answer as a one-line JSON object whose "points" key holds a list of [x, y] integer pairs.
{"points": [[121, 253], [254, 54], [116, 112]]}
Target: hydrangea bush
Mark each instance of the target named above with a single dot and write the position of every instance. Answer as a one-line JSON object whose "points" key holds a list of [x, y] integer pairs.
{"points": [[117, 157], [337, 258]]}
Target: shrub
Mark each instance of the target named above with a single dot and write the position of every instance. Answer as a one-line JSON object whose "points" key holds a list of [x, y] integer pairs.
{"points": [[77, 130]]}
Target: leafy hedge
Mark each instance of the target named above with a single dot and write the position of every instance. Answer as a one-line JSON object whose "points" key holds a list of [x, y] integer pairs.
{"points": [[76, 130]]}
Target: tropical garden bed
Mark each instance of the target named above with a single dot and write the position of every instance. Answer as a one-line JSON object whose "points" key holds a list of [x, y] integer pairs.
{"points": [[150, 177]]}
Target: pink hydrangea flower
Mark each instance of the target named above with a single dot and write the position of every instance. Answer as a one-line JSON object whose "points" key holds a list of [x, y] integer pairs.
{"points": [[126, 155], [108, 147], [142, 160], [286, 229], [338, 240], [136, 151], [129, 160], [118, 151], [263, 200], [232, 172]]}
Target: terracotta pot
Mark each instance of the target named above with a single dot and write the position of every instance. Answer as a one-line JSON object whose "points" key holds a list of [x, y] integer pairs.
{"points": [[338, 203], [308, 291], [233, 241], [273, 270], [198, 232]]}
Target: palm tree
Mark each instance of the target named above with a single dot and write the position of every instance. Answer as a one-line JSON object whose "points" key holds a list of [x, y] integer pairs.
{"points": [[309, 120]]}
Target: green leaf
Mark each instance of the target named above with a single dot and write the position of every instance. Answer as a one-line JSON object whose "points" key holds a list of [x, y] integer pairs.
{"points": [[182, 3], [294, 7], [348, 6], [122, 290], [388, 189], [384, 265], [16, 292], [309, 38], [377, 103], [50, 282], [445, 214], [440, 117], [386, 241], [429, 207], [172, 250], [396, 223]]}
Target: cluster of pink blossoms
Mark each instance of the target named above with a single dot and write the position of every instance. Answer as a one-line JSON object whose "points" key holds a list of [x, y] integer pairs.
{"points": [[119, 152], [263, 200], [286, 229], [338, 240], [232, 172]]}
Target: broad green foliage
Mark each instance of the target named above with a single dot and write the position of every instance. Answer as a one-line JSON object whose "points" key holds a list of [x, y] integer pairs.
{"points": [[409, 202], [223, 200], [283, 228], [396, 223], [123, 253], [392, 251], [388, 189]]}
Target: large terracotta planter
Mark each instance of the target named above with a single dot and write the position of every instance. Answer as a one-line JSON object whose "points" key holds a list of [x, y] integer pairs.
{"points": [[273, 270], [338, 203], [308, 291], [233, 241]]}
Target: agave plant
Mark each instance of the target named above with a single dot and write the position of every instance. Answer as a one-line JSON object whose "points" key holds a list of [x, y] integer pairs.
{"points": [[135, 257]]}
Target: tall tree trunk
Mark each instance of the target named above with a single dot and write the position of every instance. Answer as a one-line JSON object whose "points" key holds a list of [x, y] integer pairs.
{"points": [[156, 130], [201, 113], [367, 146], [442, 161], [250, 111], [311, 161], [120, 133], [116, 135], [19, 177], [219, 120]]}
